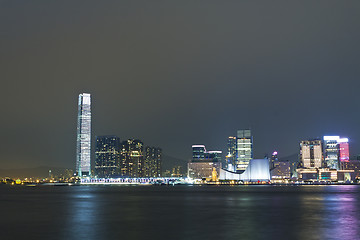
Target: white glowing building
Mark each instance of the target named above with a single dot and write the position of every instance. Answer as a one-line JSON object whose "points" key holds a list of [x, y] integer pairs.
{"points": [[83, 144], [256, 170]]}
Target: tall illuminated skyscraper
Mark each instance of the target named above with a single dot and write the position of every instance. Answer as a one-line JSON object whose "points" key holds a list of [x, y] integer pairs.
{"points": [[244, 149], [83, 145]]}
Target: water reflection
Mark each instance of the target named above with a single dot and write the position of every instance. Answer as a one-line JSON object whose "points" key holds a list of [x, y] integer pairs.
{"points": [[341, 216], [82, 215]]}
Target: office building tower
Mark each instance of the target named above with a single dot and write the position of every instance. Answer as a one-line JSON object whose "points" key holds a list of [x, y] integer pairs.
{"points": [[274, 159], [231, 154], [131, 158], [344, 155], [331, 152], [107, 157], [152, 162], [198, 152], [244, 149], [281, 170], [311, 154], [83, 146], [204, 162]]}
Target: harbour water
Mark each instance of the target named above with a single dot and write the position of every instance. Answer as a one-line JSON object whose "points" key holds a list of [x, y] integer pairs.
{"points": [[180, 212]]}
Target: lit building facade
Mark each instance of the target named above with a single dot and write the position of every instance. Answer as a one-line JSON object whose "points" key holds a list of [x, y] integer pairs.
{"points": [[344, 155], [203, 169], [152, 162], [231, 154], [83, 145], [274, 159], [203, 162], [132, 158], [257, 170], [281, 170], [107, 157], [198, 152], [331, 151], [336, 151], [244, 149], [311, 154]]}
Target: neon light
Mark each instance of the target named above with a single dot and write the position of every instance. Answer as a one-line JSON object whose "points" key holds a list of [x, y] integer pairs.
{"points": [[198, 146], [329, 138]]}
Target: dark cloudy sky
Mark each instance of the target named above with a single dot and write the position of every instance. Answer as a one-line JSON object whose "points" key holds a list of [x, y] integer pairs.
{"points": [[176, 73]]}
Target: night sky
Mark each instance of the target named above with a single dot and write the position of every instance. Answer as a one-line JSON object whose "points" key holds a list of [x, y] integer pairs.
{"points": [[177, 73]]}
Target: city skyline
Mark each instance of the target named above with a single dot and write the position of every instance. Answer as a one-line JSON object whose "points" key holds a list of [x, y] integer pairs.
{"points": [[175, 75]]}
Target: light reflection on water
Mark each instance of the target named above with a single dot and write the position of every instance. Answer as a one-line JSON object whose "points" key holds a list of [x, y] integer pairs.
{"points": [[182, 212], [81, 215]]}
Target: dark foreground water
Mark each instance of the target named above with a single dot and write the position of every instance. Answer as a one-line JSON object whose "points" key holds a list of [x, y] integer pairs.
{"points": [[180, 212]]}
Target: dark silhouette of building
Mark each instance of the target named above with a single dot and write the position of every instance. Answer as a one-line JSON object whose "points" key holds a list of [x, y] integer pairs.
{"points": [[107, 156], [152, 162]]}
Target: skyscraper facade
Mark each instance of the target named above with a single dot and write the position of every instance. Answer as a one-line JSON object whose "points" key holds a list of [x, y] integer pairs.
{"points": [[198, 152], [132, 158], [83, 145], [107, 157], [152, 162], [274, 159], [244, 149], [231, 153], [331, 151], [311, 154], [204, 162]]}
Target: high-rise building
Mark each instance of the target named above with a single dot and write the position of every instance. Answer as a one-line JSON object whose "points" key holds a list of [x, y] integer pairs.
{"points": [[107, 156], [204, 162], [152, 162], [336, 151], [344, 155], [311, 154], [83, 145], [244, 148], [198, 152], [132, 159], [273, 160], [231, 154], [331, 151]]}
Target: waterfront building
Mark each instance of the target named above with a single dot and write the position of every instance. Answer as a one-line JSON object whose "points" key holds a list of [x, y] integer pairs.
{"points": [[344, 155], [256, 171], [203, 169], [325, 175], [331, 151], [352, 165], [231, 154], [244, 149], [152, 162], [274, 159], [107, 157], [281, 170], [203, 162], [132, 158], [311, 154], [83, 144]]}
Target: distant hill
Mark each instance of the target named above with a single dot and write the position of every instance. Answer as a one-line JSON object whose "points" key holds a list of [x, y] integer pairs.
{"points": [[37, 172], [292, 158], [168, 162], [43, 171]]}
